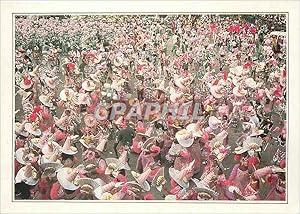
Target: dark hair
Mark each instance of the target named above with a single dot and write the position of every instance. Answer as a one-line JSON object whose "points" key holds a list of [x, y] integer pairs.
{"points": [[68, 192], [22, 190], [65, 157]]}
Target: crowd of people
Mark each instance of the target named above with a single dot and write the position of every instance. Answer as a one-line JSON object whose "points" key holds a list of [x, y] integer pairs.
{"points": [[150, 107]]}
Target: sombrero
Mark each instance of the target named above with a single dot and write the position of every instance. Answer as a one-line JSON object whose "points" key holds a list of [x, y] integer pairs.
{"points": [[195, 129], [141, 179], [46, 100], [49, 148], [38, 142], [50, 169], [86, 140], [180, 176], [88, 85], [20, 129], [184, 138], [148, 143], [62, 122], [68, 148], [28, 174], [90, 120], [33, 128], [214, 122], [50, 82], [88, 185], [51, 158], [68, 178], [66, 94], [112, 168], [24, 156], [239, 91], [217, 91], [159, 179], [205, 193]]}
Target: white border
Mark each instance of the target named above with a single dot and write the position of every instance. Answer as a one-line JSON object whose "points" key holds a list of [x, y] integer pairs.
{"points": [[9, 7]]}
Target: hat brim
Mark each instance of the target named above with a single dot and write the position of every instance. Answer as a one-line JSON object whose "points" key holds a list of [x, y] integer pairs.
{"points": [[46, 160], [82, 141], [174, 175], [183, 141], [58, 125], [23, 86], [70, 151], [145, 185], [47, 151], [92, 87], [19, 154], [37, 143], [29, 128], [239, 93], [21, 177], [63, 95], [213, 91], [42, 98], [61, 177], [24, 133], [192, 128]]}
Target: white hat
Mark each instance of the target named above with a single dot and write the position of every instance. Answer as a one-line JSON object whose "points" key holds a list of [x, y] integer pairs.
{"points": [[180, 176], [28, 174], [49, 147], [46, 100], [88, 85], [62, 122], [184, 138], [24, 156], [50, 82], [195, 129], [66, 94], [141, 179], [159, 179], [33, 128], [68, 178], [68, 148], [50, 169], [20, 129], [214, 122]]}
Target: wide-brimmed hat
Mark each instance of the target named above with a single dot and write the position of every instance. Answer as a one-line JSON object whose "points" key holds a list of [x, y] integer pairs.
{"points": [[50, 169], [51, 158], [149, 143], [159, 179], [68, 178], [62, 122], [141, 179], [217, 91], [205, 192], [184, 138], [66, 94], [20, 129], [50, 82], [175, 149], [38, 142], [115, 165], [86, 141], [180, 176], [25, 155], [68, 148], [90, 120], [195, 129], [81, 99], [49, 147], [28, 174], [255, 131], [33, 128], [252, 144], [239, 91], [26, 83], [46, 100], [88, 185], [88, 85], [214, 122]]}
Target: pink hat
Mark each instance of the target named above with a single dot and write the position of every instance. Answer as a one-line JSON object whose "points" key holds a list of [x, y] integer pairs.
{"points": [[214, 122], [184, 138], [49, 148], [50, 82], [195, 129]]}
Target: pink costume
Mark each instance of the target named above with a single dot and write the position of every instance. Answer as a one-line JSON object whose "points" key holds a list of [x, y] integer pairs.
{"points": [[240, 178], [183, 159], [136, 145]]}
